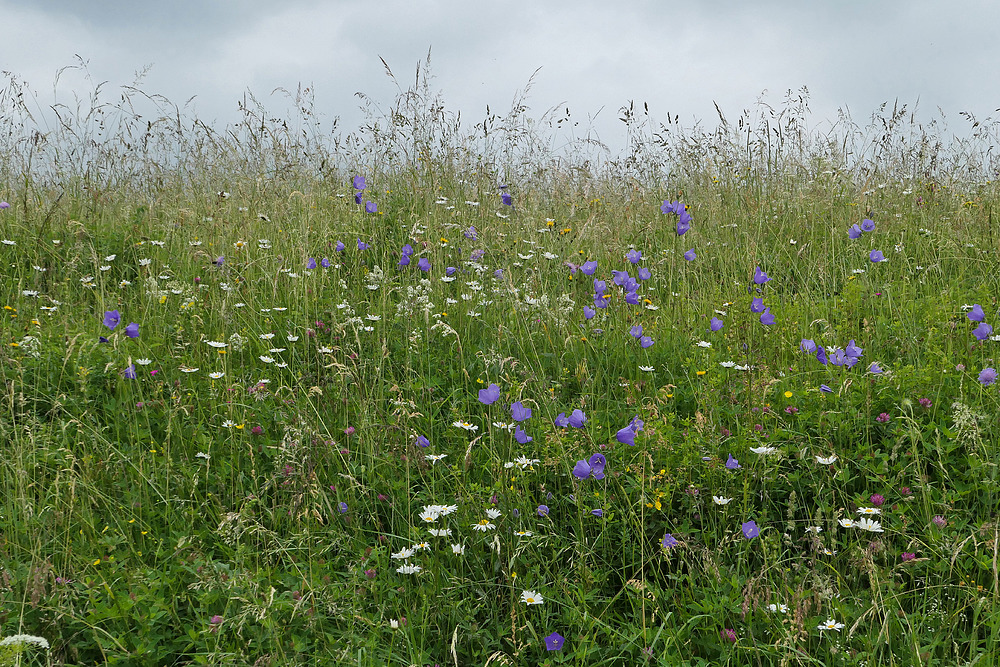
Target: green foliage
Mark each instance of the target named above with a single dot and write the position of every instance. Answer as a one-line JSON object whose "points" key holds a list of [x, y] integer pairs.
{"points": [[241, 499]]}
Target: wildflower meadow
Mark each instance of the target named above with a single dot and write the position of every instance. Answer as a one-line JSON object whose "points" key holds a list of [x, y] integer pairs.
{"points": [[427, 393]]}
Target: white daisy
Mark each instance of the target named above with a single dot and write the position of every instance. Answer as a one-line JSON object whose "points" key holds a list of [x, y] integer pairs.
{"points": [[870, 525], [826, 461], [406, 568], [831, 624], [531, 597], [719, 500]]}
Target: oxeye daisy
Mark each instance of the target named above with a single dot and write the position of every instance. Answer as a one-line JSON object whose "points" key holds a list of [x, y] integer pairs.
{"points": [[483, 526], [531, 597]]}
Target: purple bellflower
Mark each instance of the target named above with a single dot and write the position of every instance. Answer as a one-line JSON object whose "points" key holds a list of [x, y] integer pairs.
{"points": [[519, 413], [489, 395], [594, 467]]}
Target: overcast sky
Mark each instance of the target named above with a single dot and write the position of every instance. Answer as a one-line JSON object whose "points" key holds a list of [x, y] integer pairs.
{"points": [[680, 57]]}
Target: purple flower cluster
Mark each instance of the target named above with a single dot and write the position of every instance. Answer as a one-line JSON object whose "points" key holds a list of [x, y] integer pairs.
{"points": [[591, 468], [683, 217], [866, 226], [847, 356], [983, 330], [577, 419]]}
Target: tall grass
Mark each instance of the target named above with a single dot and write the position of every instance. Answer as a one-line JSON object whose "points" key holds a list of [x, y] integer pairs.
{"points": [[252, 517]]}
